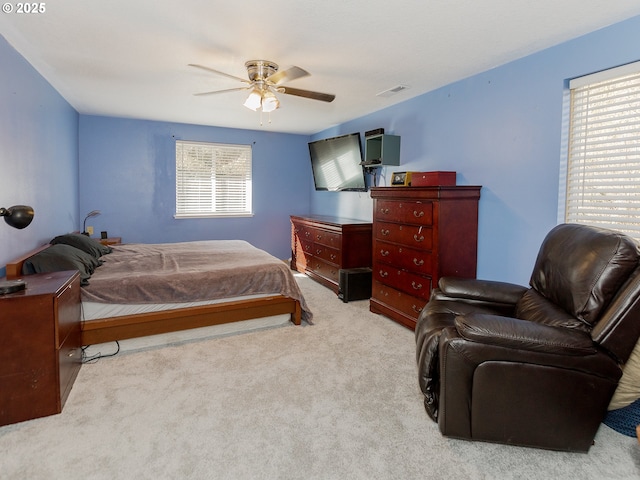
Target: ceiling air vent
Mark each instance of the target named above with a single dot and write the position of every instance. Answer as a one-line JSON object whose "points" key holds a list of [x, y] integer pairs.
{"points": [[392, 91]]}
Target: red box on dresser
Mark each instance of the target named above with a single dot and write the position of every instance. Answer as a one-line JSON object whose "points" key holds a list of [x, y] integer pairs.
{"points": [[433, 179]]}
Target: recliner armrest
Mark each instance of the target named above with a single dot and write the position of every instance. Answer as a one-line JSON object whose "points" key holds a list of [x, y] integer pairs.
{"points": [[523, 335], [481, 290]]}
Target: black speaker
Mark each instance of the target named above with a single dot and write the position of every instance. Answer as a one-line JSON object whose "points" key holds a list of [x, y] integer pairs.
{"points": [[354, 284]]}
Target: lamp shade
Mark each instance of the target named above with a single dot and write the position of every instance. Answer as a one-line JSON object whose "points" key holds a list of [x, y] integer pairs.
{"points": [[254, 100], [18, 216], [269, 102]]}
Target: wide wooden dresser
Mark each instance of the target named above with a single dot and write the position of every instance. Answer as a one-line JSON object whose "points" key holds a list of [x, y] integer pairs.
{"points": [[322, 245], [40, 349], [420, 234]]}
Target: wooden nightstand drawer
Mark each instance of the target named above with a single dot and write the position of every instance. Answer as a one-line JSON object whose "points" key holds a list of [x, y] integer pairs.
{"points": [[68, 310]]}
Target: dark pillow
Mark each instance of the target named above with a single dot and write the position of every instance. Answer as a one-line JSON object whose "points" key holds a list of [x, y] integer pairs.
{"points": [[62, 257], [84, 243]]}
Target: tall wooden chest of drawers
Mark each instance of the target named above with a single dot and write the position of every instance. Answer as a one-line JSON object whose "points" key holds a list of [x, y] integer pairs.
{"points": [[322, 245], [40, 347], [420, 234]]}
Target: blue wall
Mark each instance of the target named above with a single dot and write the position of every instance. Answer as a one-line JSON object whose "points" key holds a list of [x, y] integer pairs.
{"points": [[501, 129], [127, 171], [38, 155]]}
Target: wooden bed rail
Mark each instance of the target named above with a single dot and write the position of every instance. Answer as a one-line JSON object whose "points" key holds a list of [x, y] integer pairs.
{"points": [[141, 325]]}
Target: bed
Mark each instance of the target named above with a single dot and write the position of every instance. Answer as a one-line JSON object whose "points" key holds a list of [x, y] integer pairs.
{"points": [[137, 290]]}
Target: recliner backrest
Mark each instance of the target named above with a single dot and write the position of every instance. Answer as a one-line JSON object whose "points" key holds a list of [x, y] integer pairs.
{"points": [[582, 268], [618, 329]]}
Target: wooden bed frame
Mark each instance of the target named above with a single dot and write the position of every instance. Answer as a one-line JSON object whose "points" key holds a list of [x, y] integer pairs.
{"points": [[140, 325]]}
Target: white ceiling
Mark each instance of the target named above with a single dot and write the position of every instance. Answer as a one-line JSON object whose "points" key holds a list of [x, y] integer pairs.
{"points": [[128, 58]]}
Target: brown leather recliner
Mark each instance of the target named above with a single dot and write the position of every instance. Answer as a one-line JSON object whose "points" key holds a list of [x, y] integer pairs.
{"points": [[534, 366]]}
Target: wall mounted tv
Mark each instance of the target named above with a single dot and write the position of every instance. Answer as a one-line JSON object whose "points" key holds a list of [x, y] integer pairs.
{"points": [[336, 163]]}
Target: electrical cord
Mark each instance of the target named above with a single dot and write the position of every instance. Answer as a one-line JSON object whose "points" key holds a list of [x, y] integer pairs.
{"points": [[94, 358]]}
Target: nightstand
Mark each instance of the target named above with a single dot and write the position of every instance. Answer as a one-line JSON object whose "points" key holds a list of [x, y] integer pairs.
{"points": [[111, 240], [40, 346]]}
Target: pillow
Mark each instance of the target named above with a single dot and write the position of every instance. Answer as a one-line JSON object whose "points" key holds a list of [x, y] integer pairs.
{"points": [[628, 390], [62, 257], [84, 243]]}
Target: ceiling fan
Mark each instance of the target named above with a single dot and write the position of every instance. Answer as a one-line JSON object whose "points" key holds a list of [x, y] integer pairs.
{"points": [[264, 82]]}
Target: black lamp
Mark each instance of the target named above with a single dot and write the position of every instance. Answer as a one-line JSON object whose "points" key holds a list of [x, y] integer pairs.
{"points": [[92, 213], [18, 216]]}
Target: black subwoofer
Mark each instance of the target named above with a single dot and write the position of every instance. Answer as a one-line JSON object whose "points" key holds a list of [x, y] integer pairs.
{"points": [[354, 284]]}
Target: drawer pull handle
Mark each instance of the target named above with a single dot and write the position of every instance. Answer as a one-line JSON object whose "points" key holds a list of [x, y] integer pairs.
{"points": [[384, 253], [385, 232], [318, 252], [416, 309], [306, 234], [418, 214], [418, 263], [416, 286], [384, 211], [384, 274], [333, 256], [71, 354], [319, 237], [418, 238], [383, 293]]}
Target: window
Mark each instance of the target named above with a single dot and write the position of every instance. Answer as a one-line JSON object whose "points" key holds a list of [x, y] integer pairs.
{"points": [[212, 179], [603, 158]]}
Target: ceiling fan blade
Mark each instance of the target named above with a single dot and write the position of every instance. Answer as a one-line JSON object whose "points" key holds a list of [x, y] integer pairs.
{"points": [[244, 80], [287, 75], [323, 97], [221, 91]]}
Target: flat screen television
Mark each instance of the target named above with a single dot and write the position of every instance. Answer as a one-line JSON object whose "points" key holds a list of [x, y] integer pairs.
{"points": [[336, 164]]}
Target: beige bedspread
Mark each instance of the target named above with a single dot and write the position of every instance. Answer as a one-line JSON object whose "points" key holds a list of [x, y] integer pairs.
{"points": [[188, 272]]}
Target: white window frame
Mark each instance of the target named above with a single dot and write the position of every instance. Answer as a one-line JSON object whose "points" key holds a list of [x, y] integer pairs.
{"points": [[205, 186], [600, 166]]}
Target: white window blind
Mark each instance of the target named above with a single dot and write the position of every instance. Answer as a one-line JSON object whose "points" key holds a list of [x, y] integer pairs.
{"points": [[603, 165], [212, 179]]}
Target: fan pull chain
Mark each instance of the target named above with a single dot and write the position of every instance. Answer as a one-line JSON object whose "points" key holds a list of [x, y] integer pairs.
{"points": [[261, 123]]}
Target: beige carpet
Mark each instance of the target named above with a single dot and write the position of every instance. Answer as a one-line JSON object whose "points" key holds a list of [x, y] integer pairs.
{"points": [[336, 400]]}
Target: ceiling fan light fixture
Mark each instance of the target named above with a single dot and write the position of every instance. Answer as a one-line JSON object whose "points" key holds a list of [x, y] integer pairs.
{"points": [[265, 81], [270, 102], [254, 100]]}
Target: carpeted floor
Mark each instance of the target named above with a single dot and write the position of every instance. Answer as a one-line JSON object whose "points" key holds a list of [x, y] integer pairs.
{"points": [[336, 400]]}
